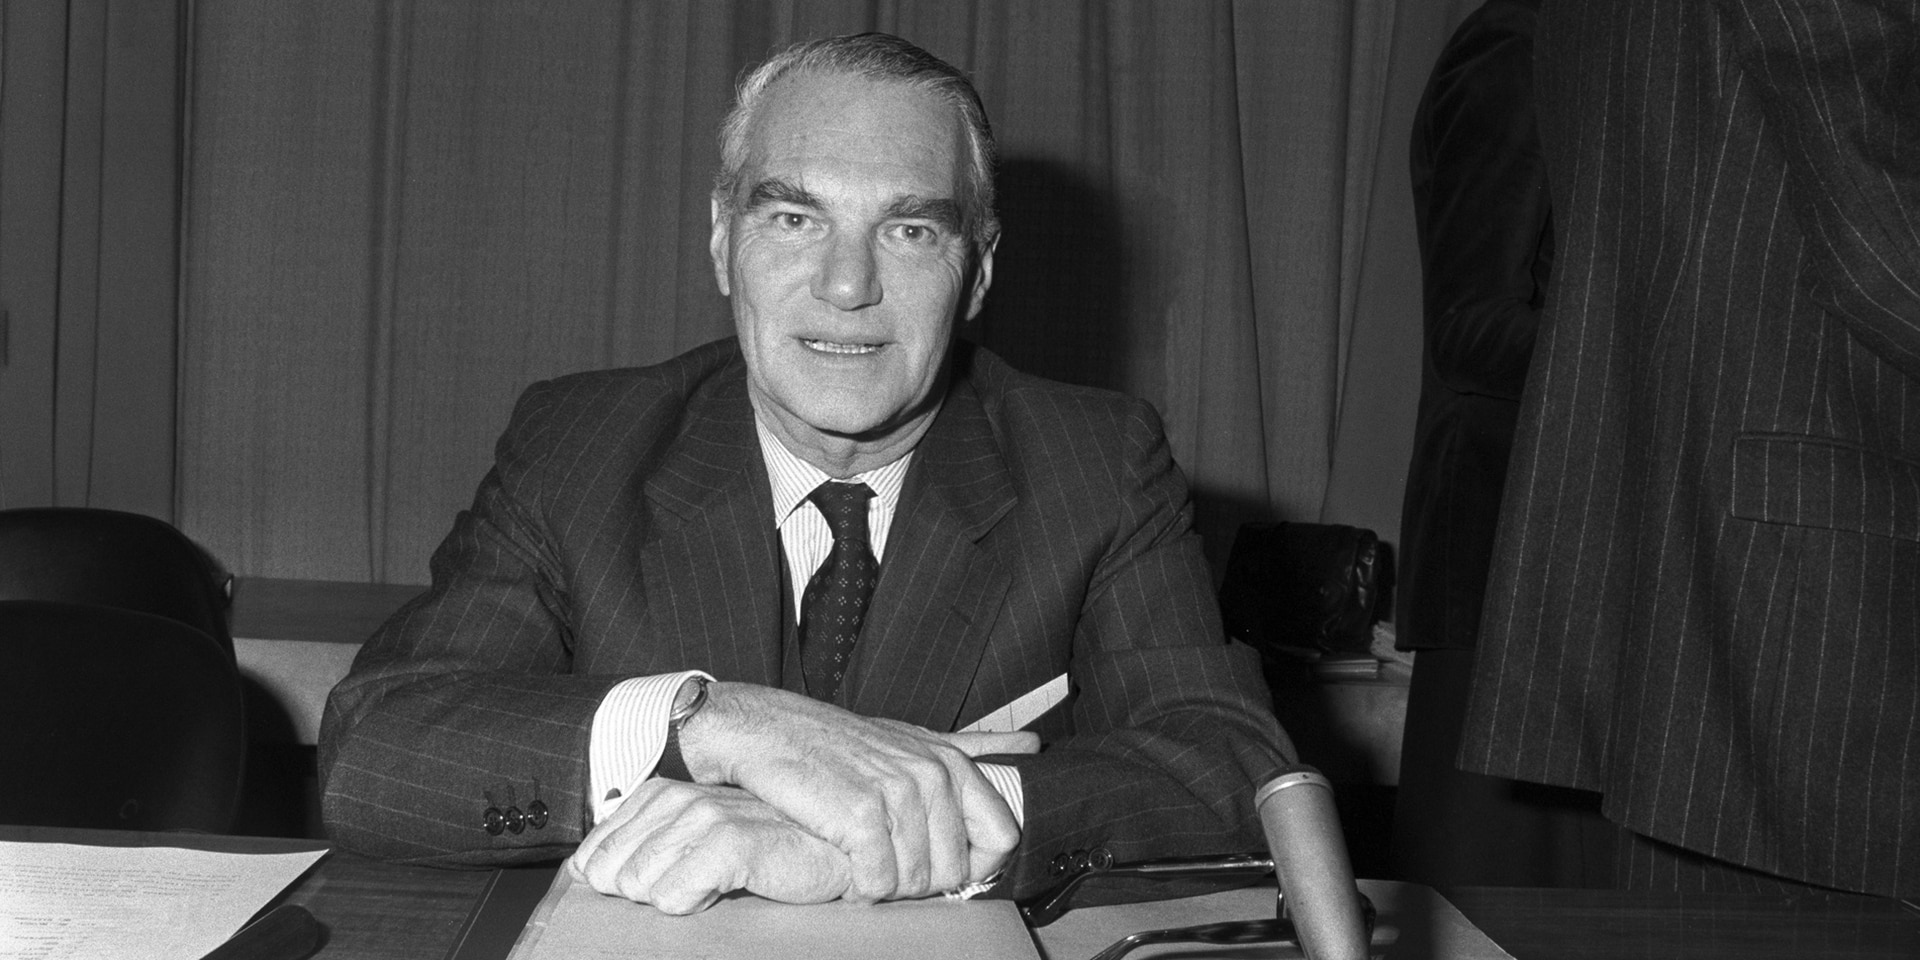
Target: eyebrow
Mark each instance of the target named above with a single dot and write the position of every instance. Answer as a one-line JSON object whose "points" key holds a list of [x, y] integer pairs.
{"points": [[944, 212], [776, 190]]}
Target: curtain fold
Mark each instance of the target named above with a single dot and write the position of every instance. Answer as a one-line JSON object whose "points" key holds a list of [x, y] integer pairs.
{"points": [[89, 174], [401, 213]]}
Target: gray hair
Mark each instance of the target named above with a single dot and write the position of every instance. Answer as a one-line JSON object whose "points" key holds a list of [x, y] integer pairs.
{"points": [[880, 57]]}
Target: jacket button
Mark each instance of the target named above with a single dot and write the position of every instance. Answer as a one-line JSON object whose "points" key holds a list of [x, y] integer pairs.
{"points": [[1080, 860], [1059, 865], [537, 815], [516, 821], [494, 821]]}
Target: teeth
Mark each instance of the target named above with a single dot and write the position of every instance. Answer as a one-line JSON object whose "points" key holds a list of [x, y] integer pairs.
{"points": [[828, 346]]}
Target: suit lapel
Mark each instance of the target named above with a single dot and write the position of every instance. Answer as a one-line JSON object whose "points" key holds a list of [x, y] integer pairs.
{"points": [[716, 554], [939, 591]]}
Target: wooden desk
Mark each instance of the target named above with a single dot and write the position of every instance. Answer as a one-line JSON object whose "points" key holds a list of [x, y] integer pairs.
{"points": [[383, 911]]}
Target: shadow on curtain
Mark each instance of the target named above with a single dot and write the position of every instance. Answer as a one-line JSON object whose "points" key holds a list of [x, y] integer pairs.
{"points": [[398, 214]]}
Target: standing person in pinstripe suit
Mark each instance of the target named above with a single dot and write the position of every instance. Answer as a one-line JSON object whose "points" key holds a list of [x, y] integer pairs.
{"points": [[1486, 246], [607, 662], [1705, 602]]}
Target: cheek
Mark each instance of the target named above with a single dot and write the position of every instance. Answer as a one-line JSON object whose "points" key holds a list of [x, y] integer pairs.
{"points": [[930, 290], [763, 270]]}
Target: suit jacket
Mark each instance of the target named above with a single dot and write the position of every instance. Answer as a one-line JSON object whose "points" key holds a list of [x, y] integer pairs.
{"points": [[1486, 249], [1703, 602], [626, 530]]}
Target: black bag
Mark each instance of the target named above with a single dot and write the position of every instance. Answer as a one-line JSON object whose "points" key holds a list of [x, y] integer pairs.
{"points": [[1305, 590]]}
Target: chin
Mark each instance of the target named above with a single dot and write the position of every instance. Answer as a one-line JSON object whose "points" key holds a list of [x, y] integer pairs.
{"points": [[844, 409], [855, 425]]}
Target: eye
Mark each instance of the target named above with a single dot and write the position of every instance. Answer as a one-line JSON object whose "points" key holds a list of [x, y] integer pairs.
{"points": [[788, 220], [916, 233]]}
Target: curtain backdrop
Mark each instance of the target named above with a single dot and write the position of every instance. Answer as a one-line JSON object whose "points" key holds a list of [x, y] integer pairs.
{"points": [[398, 213]]}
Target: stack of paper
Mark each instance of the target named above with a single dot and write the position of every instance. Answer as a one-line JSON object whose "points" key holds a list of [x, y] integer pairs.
{"points": [[62, 900]]}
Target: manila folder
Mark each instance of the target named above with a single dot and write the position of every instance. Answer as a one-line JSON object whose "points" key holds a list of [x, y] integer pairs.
{"points": [[576, 923]]}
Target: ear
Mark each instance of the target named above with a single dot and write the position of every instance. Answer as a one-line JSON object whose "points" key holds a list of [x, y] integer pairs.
{"points": [[982, 277], [717, 247]]}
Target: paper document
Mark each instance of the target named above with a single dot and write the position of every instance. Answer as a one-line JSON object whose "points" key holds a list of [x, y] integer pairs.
{"points": [[62, 900], [575, 922], [1023, 711]]}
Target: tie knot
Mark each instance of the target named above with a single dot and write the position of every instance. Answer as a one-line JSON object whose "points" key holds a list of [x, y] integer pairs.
{"points": [[845, 507]]}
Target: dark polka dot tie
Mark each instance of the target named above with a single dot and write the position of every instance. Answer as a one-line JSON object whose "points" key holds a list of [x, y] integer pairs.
{"points": [[835, 602]]}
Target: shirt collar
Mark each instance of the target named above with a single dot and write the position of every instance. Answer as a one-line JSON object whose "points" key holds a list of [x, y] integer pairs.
{"points": [[793, 478]]}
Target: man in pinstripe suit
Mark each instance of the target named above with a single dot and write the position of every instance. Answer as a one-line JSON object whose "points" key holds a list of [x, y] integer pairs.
{"points": [[1703, 603], [608, 659]]}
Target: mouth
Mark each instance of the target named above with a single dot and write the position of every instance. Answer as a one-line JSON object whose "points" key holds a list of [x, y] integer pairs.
{"points": [[839, 348]]}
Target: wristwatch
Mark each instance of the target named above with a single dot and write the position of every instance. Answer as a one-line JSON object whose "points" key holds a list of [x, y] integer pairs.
{"points": [[672, 764], [682, 712]]}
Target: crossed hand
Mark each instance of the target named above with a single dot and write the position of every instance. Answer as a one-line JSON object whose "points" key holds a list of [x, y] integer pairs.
{"points": [[800, 801]]}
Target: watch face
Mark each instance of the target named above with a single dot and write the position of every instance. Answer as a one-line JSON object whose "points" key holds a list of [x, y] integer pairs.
{"points": [[685, 705]]}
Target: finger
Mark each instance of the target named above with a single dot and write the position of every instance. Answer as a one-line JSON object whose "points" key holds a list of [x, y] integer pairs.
{"points": [[951, 845], [915, 805], [597, 836], [948, 844], [798, 867], [625, 853], [866, 834], [695, 880], [637, 876], [979, 744], [774, 859], [596, 860], [622, 864], [991, 828]]}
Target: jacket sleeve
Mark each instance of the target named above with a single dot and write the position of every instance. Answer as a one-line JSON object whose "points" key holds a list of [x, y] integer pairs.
{"points": [[1482, 203], [463, 703], [1172, 725]]}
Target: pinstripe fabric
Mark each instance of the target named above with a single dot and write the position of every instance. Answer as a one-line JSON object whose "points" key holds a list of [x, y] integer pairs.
{"points": [[1703, 598], [1643, 863], [626, 530]]}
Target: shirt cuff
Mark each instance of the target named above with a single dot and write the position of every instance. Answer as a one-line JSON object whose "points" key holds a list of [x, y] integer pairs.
{"points": [[629, 731], [1005, 780]]}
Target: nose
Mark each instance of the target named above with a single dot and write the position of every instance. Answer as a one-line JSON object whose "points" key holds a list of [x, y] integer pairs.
{"points": [[848, 276]]}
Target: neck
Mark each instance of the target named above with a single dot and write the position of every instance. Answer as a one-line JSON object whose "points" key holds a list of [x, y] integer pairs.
{"points": [[842, 457]]}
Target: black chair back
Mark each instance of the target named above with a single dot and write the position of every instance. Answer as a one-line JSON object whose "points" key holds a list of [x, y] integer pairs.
{"points": [[1303, 590], [112, 558], [116, 719]]}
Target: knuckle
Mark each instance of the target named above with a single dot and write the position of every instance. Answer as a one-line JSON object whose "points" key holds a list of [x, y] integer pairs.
{"points": [[866, 813], [627, 883], [704, 813], [929, 767], [725, 838]]}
